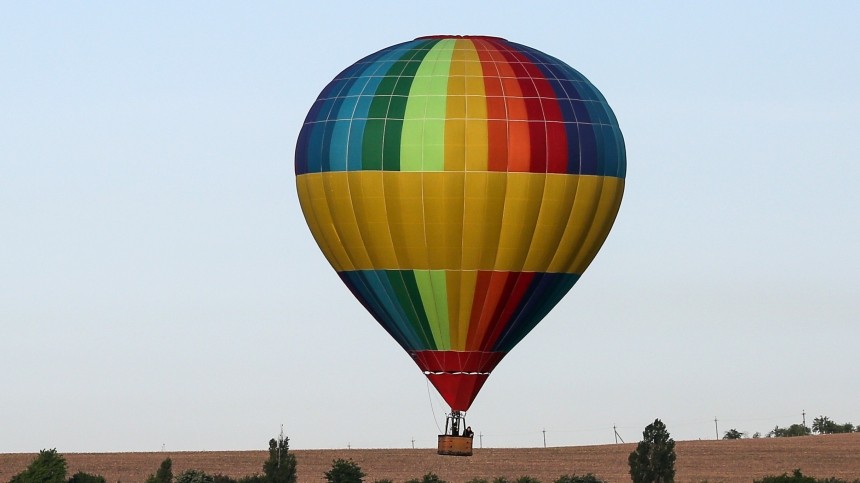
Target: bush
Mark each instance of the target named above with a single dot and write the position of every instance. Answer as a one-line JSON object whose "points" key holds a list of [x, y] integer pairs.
{"points": [[194, 476], [344, 471], [219, 478], [48, 467], [796, 477], [81, 477], [733, 434], [653, 461], [427, 478], [164, 473], [793, 430], [574, 478], [824, 425], [281, 465], [527, 479]]}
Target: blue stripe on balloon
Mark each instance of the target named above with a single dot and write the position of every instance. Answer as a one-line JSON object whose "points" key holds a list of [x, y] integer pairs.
{"points": [[589, 164], [552, 69], [352, 115], [328, 124], [546, 291], [301, 164], [378, 298], [310, 157], [591, 148], [381, 286], [364, 294]]}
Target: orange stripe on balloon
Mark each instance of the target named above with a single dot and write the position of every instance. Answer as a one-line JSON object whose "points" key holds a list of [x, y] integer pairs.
{"points": [[505, 310], [481, 322], [482, 284], [516, 113], [497, 129]]}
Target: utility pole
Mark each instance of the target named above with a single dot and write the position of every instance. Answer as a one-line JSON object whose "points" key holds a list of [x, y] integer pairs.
{"points": [[617, 436], [804, 418], [481, 440], [717, 428], [544, 437], [413, 442]]}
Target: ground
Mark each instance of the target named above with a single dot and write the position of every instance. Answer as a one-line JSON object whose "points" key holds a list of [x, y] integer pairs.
{"points": [[714, 461]]}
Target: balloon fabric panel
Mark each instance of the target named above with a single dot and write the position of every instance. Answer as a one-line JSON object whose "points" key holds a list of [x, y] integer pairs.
{"points": [[460, 186], [459, 221], [395, 299]]}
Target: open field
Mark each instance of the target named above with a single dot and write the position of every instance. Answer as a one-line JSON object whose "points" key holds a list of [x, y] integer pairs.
{"points": [[728, 461]]}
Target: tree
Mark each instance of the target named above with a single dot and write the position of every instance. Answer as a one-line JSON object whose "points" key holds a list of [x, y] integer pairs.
{"points": [[194, 476], [281, 465], [48, 467], [427, 478], [793, 430], [344, 471], [574, 478], [733, 434], [81, 477], [164, 473], [653, 461], [527, 479], [824, 425], [796, 477]]}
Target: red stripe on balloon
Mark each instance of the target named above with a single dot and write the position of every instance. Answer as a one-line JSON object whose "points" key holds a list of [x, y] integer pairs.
{"points": [[497, 126], [456, 361], [458, 376], [542, 103], [458, 390], [515, 115], [492, 285], [516, 289]]}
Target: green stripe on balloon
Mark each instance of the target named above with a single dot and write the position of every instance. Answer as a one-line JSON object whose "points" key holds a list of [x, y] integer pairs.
{"points": [[423, 138], [410, 298], [434, 296], [381, 148]]}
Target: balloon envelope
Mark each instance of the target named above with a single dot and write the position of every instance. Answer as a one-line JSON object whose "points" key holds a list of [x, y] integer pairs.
{"points": [[460, 186]]}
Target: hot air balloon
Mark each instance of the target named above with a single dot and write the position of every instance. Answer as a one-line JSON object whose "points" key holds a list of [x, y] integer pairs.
{"points": [[459, 186]]}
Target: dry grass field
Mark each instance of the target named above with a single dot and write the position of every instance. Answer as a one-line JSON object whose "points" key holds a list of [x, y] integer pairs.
{"points": [[714, 461]]}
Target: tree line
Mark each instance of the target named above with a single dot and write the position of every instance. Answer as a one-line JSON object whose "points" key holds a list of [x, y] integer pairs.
{"points": [[653, 461], [820, 425]]}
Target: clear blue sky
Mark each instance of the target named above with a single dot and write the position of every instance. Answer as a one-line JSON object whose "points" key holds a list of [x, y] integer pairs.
{"points": [[158, 284]]}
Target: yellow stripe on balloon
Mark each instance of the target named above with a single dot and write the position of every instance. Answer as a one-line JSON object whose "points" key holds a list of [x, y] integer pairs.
{"points": [[476, 109], [460, 298], [320, 224], [492, 221], [404, 207], [369, 208], [332, 202], [466, 111]]}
